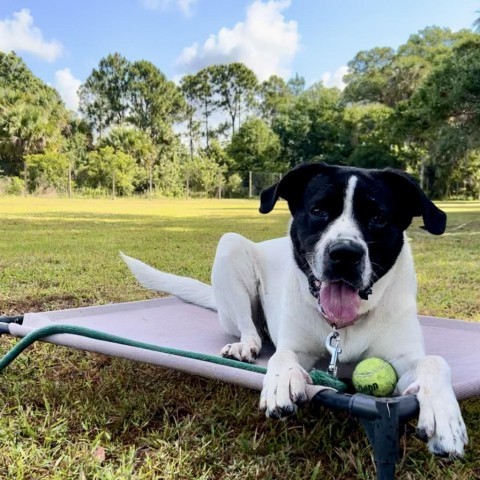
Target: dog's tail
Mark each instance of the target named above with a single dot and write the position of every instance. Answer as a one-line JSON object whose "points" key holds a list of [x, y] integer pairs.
{"points": [[188, 289]]}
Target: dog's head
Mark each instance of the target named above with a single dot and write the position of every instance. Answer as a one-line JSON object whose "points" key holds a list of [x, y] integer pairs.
{"points": [[347, 228]]}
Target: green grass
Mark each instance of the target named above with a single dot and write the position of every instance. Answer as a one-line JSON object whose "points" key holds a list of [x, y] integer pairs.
{"points": [[68, 414]]}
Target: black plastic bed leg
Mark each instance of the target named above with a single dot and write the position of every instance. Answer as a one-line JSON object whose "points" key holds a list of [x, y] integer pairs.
{"points": [[384, 435], [382, 419]]}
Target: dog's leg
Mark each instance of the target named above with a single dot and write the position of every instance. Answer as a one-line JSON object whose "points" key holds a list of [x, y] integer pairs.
{"points": [[235, 280], [284, 385], [440, 421]]}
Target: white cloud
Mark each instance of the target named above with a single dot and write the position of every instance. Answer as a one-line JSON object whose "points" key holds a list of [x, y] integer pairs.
{"points": [[19, 34], [185, 6], [335, 79], [265, 41], [67, 86]]}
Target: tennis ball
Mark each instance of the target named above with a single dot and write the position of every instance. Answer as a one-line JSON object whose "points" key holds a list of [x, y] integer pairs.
{"points": [[374, 376]]}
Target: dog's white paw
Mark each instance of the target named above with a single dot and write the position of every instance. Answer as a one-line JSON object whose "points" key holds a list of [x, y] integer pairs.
{"points": [[284, 389], [440, 421], [243, 351]]}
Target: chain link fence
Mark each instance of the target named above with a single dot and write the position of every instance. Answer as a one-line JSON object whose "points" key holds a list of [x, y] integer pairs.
{"points": [[258, 181]]}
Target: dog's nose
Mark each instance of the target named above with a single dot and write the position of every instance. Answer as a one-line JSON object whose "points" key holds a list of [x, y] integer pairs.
{"points": [[346, 252]]}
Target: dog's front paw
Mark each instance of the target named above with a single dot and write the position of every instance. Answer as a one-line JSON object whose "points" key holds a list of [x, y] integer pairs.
{"points": [[243, 351], [283, 390], [441, 422]]}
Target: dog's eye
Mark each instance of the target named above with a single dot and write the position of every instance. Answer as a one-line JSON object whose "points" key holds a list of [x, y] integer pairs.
{"points": [[378, 221], [319, 214]]}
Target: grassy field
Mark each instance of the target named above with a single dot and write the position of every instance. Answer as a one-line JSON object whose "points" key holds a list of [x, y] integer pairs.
{"points": [[75, 415]]}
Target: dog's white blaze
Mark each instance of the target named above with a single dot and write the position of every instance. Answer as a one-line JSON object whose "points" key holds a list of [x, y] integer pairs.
{"points": [[344, 227], [348, 202]]}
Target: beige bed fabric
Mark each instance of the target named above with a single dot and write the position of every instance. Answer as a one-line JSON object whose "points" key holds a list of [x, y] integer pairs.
{"points": [[172, 323]]}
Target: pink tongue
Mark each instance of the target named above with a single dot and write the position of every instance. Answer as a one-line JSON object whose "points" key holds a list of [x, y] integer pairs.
{"points": [[340, 302]]}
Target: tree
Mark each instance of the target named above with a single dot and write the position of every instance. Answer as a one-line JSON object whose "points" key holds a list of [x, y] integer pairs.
{"points": [[198, 93], [137, 144], [108, 169], [155, 102], [171, 173], [467, 175], [30, 124], [46, 170], [275, 95], [138, 93], [255, 147], [78, 140], [476, 23], [206, 175], [193, 130], [103, 96], [368, 75], [432, 45], [235, 86], [308, 127], [219, 154], [452, 91], [296, 85], [366, 133], [423, 52], [383, 75], [32, 115], [443, 115], [16, 76]]}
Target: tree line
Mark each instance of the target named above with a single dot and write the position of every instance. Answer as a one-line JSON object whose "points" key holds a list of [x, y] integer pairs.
{"points": [[416, 107]]}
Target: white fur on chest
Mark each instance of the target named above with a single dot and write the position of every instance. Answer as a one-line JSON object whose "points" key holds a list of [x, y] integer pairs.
{"points": [[294, 322]]}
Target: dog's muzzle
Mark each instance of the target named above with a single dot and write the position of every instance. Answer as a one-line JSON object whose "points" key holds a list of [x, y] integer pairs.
{"points": [[341, 288]]}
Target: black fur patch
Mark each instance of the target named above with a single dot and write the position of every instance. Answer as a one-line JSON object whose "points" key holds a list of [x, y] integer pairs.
{"points": [[384, 204]]}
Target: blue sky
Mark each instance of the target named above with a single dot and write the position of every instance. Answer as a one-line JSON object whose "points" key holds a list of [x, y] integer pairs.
{"points": [[62, 40]]}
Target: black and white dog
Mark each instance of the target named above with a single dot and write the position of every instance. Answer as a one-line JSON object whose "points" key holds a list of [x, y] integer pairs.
{"points": [[347, 263]]}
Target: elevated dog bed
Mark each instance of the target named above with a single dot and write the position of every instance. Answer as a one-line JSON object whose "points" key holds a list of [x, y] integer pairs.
{"points": [[174, 324]]}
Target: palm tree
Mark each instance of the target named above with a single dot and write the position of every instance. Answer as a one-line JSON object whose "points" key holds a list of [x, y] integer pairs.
{"points": [[29, 123], [476, 23]]}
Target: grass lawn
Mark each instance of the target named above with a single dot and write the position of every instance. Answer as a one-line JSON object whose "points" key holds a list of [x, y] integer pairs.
{"points": [[75, 415]]}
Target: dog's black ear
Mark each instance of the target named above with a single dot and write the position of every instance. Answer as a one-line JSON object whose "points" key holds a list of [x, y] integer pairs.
{"points": [[291, 186], [415, 202]]}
